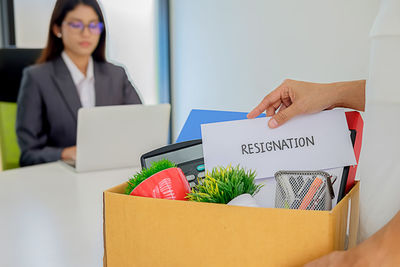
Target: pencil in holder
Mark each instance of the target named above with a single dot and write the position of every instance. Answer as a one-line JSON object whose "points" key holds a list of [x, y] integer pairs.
{"points": [[305, 190]]}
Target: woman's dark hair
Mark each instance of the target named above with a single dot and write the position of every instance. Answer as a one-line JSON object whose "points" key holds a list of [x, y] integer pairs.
{"points": [[55, 45]]}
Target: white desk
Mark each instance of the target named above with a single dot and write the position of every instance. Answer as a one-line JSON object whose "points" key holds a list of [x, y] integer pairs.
{"points": [[52, 216]]}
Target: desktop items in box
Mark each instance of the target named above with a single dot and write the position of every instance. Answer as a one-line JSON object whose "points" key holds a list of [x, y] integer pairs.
{"points": [[305, 190], [192, 130], [222, 185], [188, 156], [226, 235], [310, 190], [162, 180], [165, 181]]}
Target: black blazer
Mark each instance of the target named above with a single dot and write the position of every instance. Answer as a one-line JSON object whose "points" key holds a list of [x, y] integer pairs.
{"points": [[48, 104]]}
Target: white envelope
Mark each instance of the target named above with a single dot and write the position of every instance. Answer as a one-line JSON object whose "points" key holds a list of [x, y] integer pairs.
{"points": [[309, 142]]}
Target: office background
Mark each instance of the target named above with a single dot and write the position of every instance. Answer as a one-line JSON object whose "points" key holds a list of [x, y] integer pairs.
{"points": [[221, 54]]}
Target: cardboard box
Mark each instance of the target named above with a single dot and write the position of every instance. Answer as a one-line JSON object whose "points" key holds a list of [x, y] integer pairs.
{"points": [[142, 231], [154, 232]]}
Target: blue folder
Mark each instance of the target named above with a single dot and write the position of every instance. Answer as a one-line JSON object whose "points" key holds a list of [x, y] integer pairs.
{"points": [[191, 129]]}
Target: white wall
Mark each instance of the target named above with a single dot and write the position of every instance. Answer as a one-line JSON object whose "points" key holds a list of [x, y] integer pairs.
{"points": [[32, 22], [228, 54], [132, 29], [131, 36]]}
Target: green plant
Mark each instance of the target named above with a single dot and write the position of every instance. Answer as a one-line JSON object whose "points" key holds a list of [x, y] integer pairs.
{"points": [[224, 184], [139, 177]]}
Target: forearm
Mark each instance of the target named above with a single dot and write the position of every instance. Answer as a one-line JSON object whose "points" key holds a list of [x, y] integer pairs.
{"points": [[381, 249], [38, 156], [350, 94]]}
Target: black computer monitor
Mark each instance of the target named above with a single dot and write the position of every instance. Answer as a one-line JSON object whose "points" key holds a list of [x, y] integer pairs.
{"points": [[12, 62]]}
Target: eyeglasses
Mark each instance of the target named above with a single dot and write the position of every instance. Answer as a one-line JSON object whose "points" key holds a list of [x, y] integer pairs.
{"points": [[78, 27]]}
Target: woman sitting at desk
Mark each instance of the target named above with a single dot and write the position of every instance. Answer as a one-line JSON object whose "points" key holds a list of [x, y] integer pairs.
{"points": [[71, 73]]}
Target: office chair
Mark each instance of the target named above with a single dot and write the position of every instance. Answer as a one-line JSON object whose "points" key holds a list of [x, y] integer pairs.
{"points": [[12, 62], [8, 138]]}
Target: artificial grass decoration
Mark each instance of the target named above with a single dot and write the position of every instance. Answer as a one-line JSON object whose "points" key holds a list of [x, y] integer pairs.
{"points": [[224, 184], [139, 177]]}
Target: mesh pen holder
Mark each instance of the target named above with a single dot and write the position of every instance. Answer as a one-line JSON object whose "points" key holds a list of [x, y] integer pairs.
{"points": [[306, 190]]}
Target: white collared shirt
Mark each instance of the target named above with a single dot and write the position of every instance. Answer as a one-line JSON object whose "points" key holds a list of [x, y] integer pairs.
{"points": [[84, 85]]}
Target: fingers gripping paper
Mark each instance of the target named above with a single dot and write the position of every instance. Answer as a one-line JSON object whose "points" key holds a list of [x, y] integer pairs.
{"points": [[311, 142]]}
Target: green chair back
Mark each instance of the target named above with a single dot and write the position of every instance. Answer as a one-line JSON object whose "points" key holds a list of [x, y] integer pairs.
{"points": [[8, 138]]}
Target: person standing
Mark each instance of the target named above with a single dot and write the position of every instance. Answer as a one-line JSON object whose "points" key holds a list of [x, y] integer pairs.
{"points": [[379, 167]]}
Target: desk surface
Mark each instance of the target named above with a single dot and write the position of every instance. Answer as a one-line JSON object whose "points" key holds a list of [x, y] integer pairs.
{"points": [[52, 216]]}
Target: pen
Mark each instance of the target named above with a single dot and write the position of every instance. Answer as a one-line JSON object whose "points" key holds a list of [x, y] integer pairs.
{"points": [[317, 198], [311, 192], [304, 189]]}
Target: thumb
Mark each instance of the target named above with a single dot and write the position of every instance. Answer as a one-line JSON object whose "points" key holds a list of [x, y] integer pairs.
{"points": [[283, 116]]}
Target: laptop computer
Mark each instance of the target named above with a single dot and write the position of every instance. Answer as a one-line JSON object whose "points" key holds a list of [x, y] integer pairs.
{"points": [[111, 137]]}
